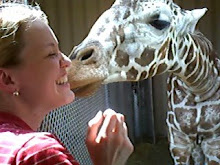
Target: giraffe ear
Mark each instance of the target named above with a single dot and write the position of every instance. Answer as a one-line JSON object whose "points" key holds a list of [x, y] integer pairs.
{"points": [[196, 14]]}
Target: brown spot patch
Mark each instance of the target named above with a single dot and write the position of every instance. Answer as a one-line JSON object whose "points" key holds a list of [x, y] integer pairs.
{"points": [[190, 68], [168, 86], [132, 74], [161, 68], [121, 34], [197, 72], [178, 71], [122, 58], [143, 75], [146, 57], [127, 14], [171, 119], [117, 15], [189, 55], [177, 98], [180, 45], [163, 50], [101, 30], [113, 34], [214, 162], [174, 66], [206, 125], [181, 154], [209, 117], [107, 20], [170, 53], [190, 103], [186, 119], [151, 71]]}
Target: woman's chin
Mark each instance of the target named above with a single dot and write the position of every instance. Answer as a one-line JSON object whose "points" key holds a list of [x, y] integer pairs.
{"points": [[70, 98], [65, 99], [65, 93]]}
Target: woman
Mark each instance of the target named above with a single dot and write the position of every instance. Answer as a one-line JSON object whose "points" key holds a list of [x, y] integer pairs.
{"points": [[33, 81]]}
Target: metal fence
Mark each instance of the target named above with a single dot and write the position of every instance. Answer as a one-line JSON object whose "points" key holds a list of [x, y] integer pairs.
{"points": [[69, 123]]}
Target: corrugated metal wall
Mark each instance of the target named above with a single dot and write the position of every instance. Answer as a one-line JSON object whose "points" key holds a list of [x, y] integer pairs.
{"points": [[71, 21]]}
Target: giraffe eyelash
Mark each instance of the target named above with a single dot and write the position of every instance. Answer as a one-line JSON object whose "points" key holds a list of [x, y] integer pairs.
{"points": [[159, 24]]}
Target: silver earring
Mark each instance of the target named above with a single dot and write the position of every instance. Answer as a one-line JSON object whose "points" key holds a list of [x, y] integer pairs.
{"points": [[16, 93]]}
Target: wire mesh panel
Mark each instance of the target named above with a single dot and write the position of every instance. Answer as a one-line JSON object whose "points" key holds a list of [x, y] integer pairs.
{"points": [[69, 123]]}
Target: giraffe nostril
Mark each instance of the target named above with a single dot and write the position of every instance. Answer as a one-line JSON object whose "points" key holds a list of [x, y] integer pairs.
{"points": [[86, 55]]}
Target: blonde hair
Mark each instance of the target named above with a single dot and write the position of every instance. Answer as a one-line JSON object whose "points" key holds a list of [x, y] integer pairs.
{"points": [[14, 19]]}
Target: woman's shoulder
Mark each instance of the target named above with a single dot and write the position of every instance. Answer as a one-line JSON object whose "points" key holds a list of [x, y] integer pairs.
{"points": [[42, 139], [45, 148]]}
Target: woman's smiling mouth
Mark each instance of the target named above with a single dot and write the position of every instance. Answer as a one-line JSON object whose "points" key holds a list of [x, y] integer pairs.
{"points": [[63, 80]]}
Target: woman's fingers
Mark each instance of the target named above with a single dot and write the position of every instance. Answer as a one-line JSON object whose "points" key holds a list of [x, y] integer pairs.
{"points": [[125, 128], [108, 125], [108, 112], [94, 126], [119, 126], [107, 139]]}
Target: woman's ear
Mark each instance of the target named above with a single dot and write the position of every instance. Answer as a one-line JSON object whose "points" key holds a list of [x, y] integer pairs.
{"points": [[6, 82]]}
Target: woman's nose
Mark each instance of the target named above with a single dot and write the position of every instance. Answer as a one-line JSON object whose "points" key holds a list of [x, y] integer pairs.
{"points": [[65, 61]]}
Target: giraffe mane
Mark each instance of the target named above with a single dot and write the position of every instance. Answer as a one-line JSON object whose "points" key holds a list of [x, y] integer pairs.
{"points": [[205, 44]]}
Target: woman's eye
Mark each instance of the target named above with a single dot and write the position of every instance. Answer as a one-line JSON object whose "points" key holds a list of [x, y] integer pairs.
{"points": [[53, 55], [159, 24]]}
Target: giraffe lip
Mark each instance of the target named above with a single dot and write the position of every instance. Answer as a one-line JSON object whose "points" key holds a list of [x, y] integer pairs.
{"points": [[87, 90]]}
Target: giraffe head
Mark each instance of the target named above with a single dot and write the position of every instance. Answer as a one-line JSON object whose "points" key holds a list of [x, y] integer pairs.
{"points": [[131, 41]]}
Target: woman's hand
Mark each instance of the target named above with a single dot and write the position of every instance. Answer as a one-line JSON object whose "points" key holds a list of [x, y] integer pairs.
{"points": [[107, 139]]}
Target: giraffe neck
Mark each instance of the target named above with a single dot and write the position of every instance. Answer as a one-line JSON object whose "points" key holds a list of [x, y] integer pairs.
{"points": [[195, 65], [190, 58]]}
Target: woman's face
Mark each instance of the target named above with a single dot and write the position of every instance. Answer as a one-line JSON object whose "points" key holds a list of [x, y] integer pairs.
{"points": [[42, 75]]}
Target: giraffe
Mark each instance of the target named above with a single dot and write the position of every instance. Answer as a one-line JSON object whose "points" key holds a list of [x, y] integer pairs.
{"points": [[138, 39]]}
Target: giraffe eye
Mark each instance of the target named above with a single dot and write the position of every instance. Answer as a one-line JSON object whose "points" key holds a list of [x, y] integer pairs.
{"points": [[159, 24]]}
